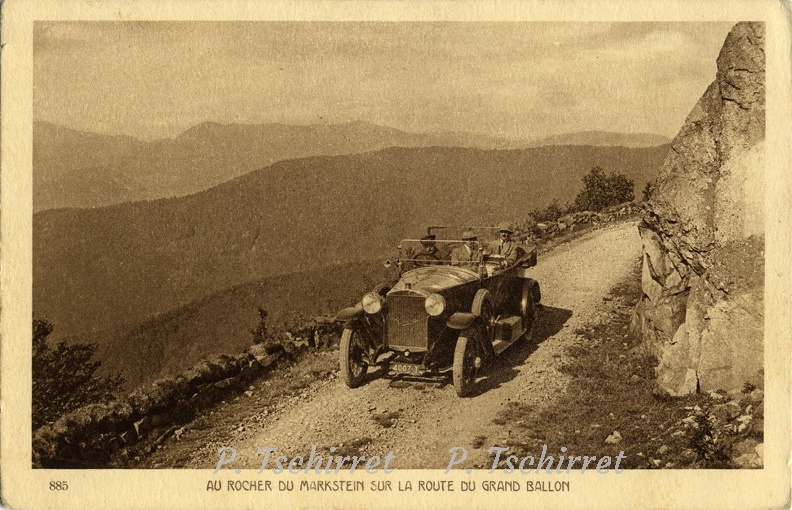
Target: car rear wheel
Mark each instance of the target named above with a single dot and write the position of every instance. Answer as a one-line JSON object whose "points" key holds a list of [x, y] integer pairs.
{"points": [[483, 307], [353, 366], [528, 311], [464, 368]]}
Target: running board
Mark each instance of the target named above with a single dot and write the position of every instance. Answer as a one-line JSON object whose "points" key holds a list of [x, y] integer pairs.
{"points": [[500, 345], [507, 331]]}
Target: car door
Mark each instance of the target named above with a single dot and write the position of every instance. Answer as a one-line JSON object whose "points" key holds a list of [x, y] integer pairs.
{"points": [[502, 287]]}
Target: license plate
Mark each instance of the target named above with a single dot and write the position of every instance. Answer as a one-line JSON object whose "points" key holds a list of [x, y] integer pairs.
{"points": [[407, 368]]}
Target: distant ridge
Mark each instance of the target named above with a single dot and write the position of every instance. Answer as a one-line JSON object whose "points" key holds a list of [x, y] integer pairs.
{"points": [[605, 138], [78, 169]]}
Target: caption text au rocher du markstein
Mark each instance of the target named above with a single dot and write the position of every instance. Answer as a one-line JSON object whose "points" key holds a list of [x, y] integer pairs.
{"points": [[502, 462]]}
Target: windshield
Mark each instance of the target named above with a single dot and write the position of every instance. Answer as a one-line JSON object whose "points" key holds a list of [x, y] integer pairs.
{"points": [[434, 278]]}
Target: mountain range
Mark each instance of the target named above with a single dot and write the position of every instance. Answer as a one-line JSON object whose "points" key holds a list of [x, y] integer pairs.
{"points": [[79, 169], [108, 267]]}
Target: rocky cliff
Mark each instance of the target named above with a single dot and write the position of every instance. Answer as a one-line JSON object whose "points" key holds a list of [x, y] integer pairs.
{"points": [[703, 234]]}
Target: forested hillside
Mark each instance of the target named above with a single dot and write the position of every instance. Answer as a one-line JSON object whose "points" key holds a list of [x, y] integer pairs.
{"points": [[99, 268]]}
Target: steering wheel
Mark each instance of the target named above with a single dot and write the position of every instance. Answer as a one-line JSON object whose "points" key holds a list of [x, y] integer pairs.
{"points": [[494, 263], [425, 259]]}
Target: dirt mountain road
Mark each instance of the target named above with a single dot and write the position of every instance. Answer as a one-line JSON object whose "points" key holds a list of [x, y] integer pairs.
{"points": [[420, 421]]}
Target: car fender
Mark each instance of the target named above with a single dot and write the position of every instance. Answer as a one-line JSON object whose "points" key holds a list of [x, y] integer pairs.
{"points": [[461, 320], [349, 313], [369, 335]]}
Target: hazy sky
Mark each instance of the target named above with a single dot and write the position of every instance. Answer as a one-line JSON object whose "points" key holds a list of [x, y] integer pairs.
{"points": [[522, 79]]}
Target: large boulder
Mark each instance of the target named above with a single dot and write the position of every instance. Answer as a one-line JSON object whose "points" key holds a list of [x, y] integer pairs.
{"points": [[701, 313]]}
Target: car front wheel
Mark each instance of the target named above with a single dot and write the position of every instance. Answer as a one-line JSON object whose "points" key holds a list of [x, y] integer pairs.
{"points": [[464, 368], [353, 366]]}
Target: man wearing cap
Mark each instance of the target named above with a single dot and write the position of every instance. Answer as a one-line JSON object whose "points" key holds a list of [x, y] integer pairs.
{"points": [[467, 255], [504, 246]]}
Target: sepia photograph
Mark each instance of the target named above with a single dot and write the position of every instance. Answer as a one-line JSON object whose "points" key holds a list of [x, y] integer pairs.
{"points": [[493, 257]]}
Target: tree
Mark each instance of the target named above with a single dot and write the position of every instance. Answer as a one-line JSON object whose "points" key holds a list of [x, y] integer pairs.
{"points": [[550, 213], [64, 377], [601, 191], [261, 334], [648, 190]]}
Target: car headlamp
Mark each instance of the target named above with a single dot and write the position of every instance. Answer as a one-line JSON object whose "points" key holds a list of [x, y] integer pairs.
{"points": [[434, 304], [372, 303]]}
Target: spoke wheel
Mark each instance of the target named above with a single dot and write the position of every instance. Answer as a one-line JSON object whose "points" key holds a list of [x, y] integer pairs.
{"points": [[353, 366], [465, 364], [483, 307], [528, 311]]}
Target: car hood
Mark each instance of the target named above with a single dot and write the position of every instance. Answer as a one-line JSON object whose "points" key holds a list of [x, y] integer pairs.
{"points": [[432, 279]]}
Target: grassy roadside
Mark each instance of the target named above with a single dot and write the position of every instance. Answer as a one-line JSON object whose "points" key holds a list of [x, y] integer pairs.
{"points": [[610, 398]]}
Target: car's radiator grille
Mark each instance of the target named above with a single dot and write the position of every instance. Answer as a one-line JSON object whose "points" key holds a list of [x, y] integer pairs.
{"points": [[407, 321]]}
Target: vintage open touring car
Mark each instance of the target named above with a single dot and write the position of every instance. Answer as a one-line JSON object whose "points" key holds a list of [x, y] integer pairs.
{"points": [[441, 315]]}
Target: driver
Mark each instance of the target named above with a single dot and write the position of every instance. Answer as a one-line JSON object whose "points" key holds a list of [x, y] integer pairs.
{"points": [[505, 246], [467, 255], [429, 254]]}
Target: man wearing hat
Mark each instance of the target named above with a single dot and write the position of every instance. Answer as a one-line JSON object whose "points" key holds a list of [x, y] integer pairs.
{"points": [[467, 255], [505, 246]]}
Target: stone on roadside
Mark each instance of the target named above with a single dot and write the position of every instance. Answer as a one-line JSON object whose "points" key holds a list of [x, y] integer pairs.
{"points": [[614, 438], [716, 396], [662, 449], [746, 446], [726, 412]]}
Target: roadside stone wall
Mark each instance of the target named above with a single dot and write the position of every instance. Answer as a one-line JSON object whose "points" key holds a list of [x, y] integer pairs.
{"points": [[703, 234], [87, 437], [573, 221]]}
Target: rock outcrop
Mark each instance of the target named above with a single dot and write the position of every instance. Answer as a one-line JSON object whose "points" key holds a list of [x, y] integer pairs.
{"points": [[703, 234]]}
